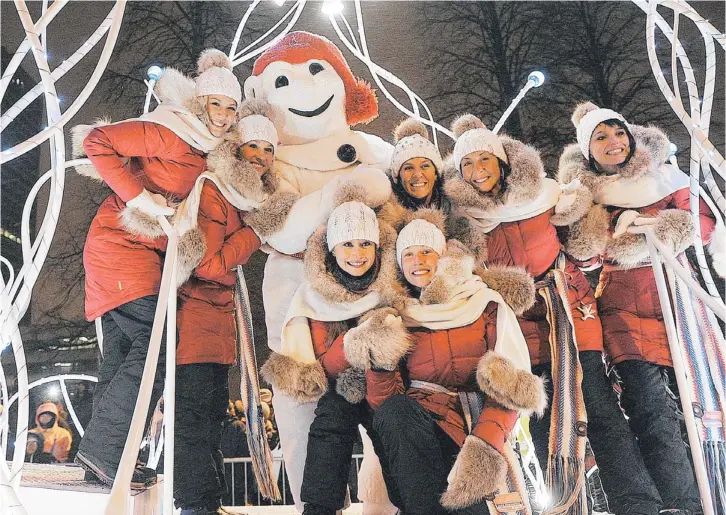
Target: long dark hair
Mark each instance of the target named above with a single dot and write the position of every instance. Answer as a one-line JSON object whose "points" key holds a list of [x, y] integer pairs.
{"points": [[351, 282], [613, 122], [412, 203]]}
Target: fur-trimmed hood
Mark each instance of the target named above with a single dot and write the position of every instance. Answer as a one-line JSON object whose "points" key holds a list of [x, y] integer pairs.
{"points": [[174, 87], [651, 152], [397, 216], [324, 284], [522, 185]]}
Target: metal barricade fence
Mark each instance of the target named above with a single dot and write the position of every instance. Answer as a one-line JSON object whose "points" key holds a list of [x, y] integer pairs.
{"points": [[242, 486]]}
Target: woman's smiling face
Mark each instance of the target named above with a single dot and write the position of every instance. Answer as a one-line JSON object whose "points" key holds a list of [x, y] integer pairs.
{"points": [[355, 257], [418, 176], [419, 264], [481, 170], [609, 145]]}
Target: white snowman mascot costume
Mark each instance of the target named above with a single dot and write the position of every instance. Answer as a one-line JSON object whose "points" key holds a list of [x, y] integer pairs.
{"points": [[307, 78]]}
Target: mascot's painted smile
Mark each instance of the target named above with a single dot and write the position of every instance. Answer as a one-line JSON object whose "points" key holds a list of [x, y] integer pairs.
{"points": [[315, 112]]}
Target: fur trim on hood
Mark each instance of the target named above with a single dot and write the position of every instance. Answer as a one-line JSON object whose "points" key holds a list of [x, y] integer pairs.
{"points": [[173, 87], [397, 216], [323, 283], [523, 183], [651, 152]]}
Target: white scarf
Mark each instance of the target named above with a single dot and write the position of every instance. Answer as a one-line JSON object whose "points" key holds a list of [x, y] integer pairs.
{"points": [[307, 304], [487, 221], [641, 191], [187, 213], [184, 124], [465, 305]]}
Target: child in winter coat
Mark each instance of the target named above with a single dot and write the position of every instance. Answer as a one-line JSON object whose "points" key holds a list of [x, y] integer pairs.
{"points": [[335, 316], [147, 163], [239, 182], [623, 168], [459, 329], [500, 190]]}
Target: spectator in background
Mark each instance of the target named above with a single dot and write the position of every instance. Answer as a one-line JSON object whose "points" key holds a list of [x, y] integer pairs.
{"points": [[56, 439]]}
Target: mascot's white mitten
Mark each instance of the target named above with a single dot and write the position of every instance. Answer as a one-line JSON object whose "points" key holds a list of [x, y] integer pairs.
{"points": [[151, 204]]}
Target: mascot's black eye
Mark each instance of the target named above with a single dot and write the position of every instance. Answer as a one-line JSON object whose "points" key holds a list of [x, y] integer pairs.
{"points": [[281, 82], [315, 68]]}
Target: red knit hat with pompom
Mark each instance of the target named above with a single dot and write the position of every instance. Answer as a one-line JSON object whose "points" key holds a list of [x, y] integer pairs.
{"points": [[361, 104]]}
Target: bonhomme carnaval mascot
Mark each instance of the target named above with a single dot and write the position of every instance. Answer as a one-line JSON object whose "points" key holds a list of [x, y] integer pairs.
{"points": [[307, 77]]}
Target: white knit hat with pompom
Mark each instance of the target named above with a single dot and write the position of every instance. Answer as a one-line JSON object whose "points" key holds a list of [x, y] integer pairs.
{"points": [[420, 232], [216, 77], [352, 221], [586, 117], [412, 140], [473, 136], [257, 122]]}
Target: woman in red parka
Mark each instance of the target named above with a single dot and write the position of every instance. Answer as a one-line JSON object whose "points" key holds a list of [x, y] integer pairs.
{"points": [[239, 182], [499, 188], [624, 167], [148, 163], [464, 339]]}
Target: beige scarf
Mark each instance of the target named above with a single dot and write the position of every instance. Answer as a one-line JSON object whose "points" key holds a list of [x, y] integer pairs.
{"points": [[641, 191], [307, 304], [184, 124], [465, 305], [487, 221]]}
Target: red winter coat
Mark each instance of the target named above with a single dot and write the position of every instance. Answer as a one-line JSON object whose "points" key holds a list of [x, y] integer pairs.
{"points": [[329, 351], [130, 156], [449, 358], [206, 308], [534, 245], [628, 301]]}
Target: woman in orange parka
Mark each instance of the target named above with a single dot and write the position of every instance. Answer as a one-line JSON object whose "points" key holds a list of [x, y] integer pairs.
{"points": [[239, 182], [464, 338], [624, 167], [499, 188], [147, 163]]}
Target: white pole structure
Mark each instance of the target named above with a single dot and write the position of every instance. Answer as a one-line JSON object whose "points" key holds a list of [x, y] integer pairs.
{"points": [[534, 80], [153, 74], [119, 500], [699, 463], [170, 381]]}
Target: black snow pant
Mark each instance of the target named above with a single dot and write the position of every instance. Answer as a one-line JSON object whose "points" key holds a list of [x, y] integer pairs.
{"points": [[417, 456], [625, 479], [126, 334], [202, 396], [649, 399], [332, 435]]}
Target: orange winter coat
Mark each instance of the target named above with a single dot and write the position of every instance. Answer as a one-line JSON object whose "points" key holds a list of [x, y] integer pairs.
{"points": [[533, 244], [449, 358], [628, 299], [329, 351], [130, 156], [206, 308]]}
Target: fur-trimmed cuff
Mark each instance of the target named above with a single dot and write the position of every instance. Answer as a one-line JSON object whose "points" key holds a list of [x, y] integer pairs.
{"points": [[351, 385], [78, 135], [270, 217], [367, 185], [454, 267], [675, 228], [574, 212], [717, 249], [628, 249], [380, 341], [515, 389], [588, 237], [139, 223], [304, 382], [514, 284], [477, 473], [191, 250]]}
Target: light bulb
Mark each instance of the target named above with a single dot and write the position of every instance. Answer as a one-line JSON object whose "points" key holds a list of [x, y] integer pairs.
{"points": [[154, 72], [537, 78]]}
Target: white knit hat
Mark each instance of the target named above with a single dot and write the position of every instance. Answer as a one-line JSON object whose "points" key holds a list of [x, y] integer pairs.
{"points": [[420, 232], [256, 127], [352, 221], [586, 118], [473, 136], [216, 77], [412, 140]]}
